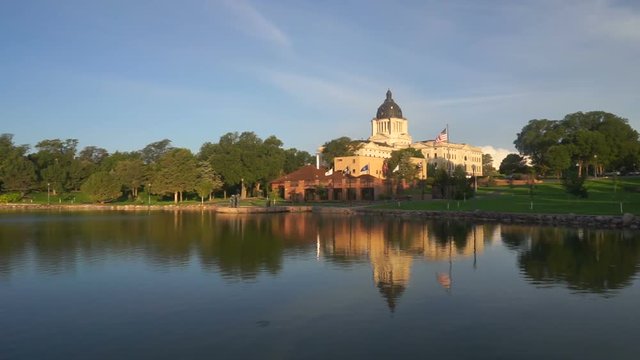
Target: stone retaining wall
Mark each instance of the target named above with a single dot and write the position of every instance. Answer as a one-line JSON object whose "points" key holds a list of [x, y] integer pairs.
{"points": [[628, 221]]}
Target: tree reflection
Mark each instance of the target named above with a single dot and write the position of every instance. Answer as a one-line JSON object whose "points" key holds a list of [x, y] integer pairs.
{"points": [[595, 261]]}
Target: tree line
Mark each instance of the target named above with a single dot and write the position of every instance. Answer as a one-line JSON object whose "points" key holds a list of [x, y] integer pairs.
{"points": [[238, 162], [591, 142]]}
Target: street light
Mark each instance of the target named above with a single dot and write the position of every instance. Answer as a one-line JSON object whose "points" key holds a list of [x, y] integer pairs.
{"points": [[48, 192], [149, 194]]}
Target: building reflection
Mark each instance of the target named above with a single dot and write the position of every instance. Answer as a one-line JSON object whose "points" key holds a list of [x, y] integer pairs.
{"points": [[391, 246]]}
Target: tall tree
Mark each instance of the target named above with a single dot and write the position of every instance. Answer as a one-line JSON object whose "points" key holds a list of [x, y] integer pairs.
{"points": [[17, 173], [154, 151], [536, 138], [342, 146], [132, 174], [53, 160], [208, 181], [244, 159], [176, 172], [597, 139], [295, 159], [513, 163], [487, 165], [102, 187]]}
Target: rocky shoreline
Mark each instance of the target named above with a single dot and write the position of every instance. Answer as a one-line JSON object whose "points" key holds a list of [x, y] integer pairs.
{"points": [[625, 221]]}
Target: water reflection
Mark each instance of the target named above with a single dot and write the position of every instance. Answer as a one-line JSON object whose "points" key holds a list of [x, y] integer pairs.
{"points": [[585, 260], [243, 248], [391, 246]]}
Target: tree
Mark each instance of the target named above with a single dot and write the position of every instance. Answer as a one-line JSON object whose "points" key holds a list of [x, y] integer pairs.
{"points": [[53, 161], [208, 181], [154, 151], [295, 159], [559, 158], [573, 183], [513, 163], [102, 187], [342, 146], [245, 159], [597, 139], [461, 186], [17, 173], [401, 159], [536, 138], [93, 154], [487, 165], [131, 174], [176, 172]]}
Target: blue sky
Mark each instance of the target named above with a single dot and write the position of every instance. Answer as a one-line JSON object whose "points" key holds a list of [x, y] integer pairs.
{"points": [[122, 74]]}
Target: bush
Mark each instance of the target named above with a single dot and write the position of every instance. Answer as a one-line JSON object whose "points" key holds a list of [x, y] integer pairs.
{"points": [[10, 198], [574, 184], [102, 187]]}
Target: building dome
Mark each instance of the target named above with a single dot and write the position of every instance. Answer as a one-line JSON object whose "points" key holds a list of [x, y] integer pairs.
{"points": [[389, 109]]}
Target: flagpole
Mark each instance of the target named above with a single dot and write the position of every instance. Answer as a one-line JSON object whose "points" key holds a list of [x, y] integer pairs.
{"points": [[448, 153]]}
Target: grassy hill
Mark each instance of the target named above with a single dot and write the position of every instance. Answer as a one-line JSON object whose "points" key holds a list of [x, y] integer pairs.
{"points": [[607, 196]]}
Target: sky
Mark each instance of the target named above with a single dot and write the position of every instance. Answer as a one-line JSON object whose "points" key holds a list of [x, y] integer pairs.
{"points": [[122, 74]]}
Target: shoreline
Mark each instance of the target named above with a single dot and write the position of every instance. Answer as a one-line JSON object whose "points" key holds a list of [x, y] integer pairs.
{"points": [[624, 221]]}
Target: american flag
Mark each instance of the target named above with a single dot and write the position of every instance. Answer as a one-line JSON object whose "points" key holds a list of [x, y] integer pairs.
{"points": [[442, 136]]}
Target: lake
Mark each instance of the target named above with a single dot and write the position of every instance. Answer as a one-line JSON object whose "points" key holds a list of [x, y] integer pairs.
{"points": [[169, 285]]}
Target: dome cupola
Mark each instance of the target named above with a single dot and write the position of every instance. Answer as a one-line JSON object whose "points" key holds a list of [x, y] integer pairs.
{"points": [[389, 109]]}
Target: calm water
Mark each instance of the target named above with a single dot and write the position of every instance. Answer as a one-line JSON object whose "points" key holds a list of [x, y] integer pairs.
{"points": [[189, 285]]}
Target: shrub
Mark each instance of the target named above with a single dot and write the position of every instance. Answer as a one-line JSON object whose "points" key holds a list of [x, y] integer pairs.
{"points": [[10, 198]]}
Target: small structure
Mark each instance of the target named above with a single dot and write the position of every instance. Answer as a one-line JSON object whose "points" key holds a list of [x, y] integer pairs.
{"points": [[312, 184]]}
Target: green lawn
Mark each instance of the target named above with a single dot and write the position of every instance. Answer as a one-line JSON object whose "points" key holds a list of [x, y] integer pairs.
{"points": [[606, 197]]}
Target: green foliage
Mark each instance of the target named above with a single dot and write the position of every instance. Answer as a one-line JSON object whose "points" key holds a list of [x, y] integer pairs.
{"points": [[342, 146], [455, 186], [9, 198], [574, 183], [245, 158], [132, 174], [513, 163], [559, 158], [17, 173], [208, 181], [176, 172], [487, 165], [102, 187], [295, 159], [53, 160], [153, 152], [204, 187], [598, 139], [401, 159]]}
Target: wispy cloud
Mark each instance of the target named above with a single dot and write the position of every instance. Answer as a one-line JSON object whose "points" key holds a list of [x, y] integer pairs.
{"points": [[466, 100], [621, 23], [256, 24], [320, 91]]}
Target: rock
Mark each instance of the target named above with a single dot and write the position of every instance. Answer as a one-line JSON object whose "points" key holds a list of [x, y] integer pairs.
{"points": [[627, 219]]}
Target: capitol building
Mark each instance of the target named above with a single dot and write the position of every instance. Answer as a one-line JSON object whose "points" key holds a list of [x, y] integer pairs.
{"points": [[364, 175], [390, 132]]}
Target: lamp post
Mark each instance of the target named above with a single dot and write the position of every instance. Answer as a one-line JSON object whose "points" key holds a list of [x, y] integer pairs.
{"points": [[149, 194], [48, 193], [595, 167]]}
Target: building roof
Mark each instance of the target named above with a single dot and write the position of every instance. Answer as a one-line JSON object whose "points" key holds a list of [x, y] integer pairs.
{"points": [[307, 172], [389, 109]]}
